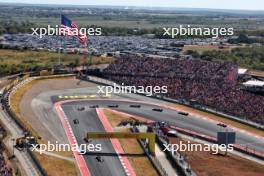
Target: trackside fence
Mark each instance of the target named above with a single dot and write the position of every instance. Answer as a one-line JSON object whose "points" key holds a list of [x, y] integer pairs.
{"points": [[8, 91], [176, 159], [186, 103], [153, 160], [243, 149]]}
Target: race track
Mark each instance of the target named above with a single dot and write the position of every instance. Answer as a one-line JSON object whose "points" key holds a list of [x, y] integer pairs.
{"points": [[171, 116], [89, 122]]}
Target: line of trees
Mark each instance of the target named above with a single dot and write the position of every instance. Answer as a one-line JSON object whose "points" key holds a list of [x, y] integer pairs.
{"points": [[248, 57]]}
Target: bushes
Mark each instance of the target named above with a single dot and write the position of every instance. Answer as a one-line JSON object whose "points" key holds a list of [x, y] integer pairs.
{"points": [[248, 57]]}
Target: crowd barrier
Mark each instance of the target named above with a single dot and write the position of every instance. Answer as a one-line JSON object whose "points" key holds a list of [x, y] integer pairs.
{"points": [[176, 159], [243, 149], [153, 160], [8, 90], [186, 103]]}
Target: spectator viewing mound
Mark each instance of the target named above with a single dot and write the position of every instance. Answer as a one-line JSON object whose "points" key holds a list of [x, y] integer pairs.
{"points": [[208, 83]]}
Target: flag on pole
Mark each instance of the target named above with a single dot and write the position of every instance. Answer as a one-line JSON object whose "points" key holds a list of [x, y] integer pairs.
{"points": [[70, 28]]}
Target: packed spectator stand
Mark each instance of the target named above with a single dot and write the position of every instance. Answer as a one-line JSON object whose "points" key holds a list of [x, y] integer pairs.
{"points": [[4, 169], [210, 83]]}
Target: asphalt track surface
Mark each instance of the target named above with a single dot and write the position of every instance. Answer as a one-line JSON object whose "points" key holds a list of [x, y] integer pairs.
{"points": [[168, 115], [89, 122]]}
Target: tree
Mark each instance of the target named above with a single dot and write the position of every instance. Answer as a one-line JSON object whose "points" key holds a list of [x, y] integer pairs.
{"points": [[193, 53]]}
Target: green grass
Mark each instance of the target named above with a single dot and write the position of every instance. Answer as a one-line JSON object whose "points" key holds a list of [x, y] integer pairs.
{"points": [[12, 61]]}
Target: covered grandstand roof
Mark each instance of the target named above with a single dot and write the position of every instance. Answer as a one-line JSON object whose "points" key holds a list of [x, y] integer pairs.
{"points": [[254, 83], [242, 71]]}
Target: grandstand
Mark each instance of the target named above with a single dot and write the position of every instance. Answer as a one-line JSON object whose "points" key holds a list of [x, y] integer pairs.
{"points": [[4, 169], [254, 86], [211, 83]]}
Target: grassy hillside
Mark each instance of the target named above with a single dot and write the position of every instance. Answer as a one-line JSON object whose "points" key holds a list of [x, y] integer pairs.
{"points": [[12, 61]]}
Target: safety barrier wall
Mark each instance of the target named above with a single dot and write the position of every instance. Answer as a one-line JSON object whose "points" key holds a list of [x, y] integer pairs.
{"points": [[210, 110], [186, 103], [8, 91], [9, 111], [176, 159], [154, 162], [240, 148], [237, 147]]}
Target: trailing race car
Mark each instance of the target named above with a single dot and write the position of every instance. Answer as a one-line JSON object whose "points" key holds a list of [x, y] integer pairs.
{"points": [[113, 106], [135, 106], [183, 113], [99, 159], [76, 121], [157, 109], [80, 108], [94, 106]]}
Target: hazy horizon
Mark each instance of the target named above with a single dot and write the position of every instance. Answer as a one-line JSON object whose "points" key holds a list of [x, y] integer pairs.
{"points": [[255, 5]]}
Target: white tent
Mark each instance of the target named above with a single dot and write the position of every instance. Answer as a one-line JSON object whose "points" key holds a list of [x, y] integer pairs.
{"points": [[254, 83], [242, 71]]}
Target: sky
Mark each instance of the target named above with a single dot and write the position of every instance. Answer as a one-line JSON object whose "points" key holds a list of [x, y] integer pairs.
{"points": [[214, 4]]}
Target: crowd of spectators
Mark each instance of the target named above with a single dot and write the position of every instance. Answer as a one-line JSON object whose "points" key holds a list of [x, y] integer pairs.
{"points": [[164, 67], [209, 83], [4, 169]]}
